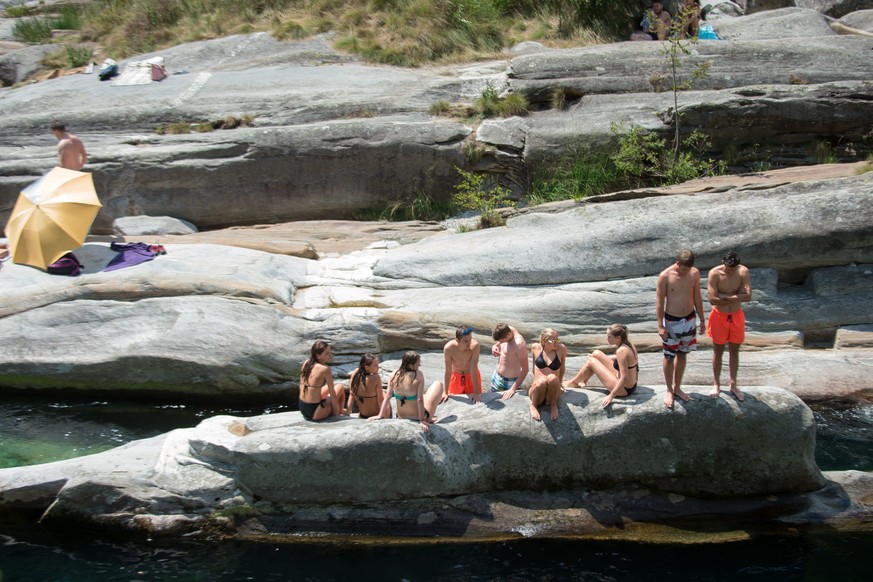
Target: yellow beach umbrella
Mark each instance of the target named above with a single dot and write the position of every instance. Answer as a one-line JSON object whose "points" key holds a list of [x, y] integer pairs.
{"points": [[52, 217]]}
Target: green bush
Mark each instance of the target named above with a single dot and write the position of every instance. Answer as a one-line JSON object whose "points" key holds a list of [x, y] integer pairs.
{"points": [[32, 30], [78, 55], [471, 194], [644, 158]]}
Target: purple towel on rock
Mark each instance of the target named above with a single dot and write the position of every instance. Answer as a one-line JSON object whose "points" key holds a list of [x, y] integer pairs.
{"points": [[129, 254]]}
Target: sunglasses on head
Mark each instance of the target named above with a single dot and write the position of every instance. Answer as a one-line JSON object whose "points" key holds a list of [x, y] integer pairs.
{"points": [[467, 331]]}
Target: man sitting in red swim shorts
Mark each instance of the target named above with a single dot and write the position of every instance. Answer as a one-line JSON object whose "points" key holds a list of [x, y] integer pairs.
{"points": [[462, 361], [728, 286]]}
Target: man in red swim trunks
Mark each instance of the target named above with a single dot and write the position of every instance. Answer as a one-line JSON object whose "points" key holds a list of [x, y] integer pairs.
{"points": [[462, 361], [728, 287]]}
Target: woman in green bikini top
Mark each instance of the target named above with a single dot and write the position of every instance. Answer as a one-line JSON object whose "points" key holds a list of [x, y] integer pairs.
{"points": [[406, 388], [365, 387]]}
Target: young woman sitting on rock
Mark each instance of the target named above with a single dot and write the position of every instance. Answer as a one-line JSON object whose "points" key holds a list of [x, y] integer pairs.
{"points": [[365, 387], [549, 362], [406, 386], [319, 397], [618, 373]]}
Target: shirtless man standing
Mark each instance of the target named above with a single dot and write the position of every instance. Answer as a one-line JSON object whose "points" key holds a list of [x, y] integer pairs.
{"points": [[71, 150], [511, 353], [462, 360], [728, 286], [679, 304]]}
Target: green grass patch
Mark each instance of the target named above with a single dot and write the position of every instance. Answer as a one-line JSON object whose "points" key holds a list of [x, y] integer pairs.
{"points": [[576, 175], [32, 30], [396, 32], [419, 205]]}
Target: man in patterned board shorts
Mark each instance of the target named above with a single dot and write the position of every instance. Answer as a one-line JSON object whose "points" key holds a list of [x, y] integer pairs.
{"points": [[728, 287], [680, 304], [511, 353]]}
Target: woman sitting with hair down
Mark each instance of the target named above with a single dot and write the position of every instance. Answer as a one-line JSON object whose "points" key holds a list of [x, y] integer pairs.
{"points": [[318, 395], [365, 387], [549, 363], [618, 373], [406, 386]]}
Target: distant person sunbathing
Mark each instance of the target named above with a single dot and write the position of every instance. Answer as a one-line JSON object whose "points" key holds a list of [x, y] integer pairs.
{"points": [[319, 397], [618, 373], [406, 387]]}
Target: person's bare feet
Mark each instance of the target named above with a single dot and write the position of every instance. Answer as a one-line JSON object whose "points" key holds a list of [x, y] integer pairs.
{"points": [[682, 395], [737, 392], [668, 400], [716, 389], [554, 412], [534, 413]]}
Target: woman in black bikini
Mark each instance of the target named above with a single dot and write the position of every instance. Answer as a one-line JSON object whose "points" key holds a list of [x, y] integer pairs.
{"points": [[365, 387], [406, 386], [318, 395], [618, 373], [549, 362]]}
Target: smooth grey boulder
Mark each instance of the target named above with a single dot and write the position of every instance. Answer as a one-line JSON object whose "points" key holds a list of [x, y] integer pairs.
{"points": [[151, 225], [334, 140], [785, 23], [781, 228], [861, 20], [17, 65], [708, 448], [633, 67], [807, 245], [835, 8]]}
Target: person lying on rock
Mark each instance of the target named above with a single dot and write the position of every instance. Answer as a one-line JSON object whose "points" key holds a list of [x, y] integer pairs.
{"points": [[365, 387], [511, 353], [618, 373], [461, 363], [406, 387], [319, 397], [549, 357]]}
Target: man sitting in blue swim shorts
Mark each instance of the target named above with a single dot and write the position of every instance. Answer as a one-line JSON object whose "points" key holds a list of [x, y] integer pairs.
{"points": [[512, 367]]}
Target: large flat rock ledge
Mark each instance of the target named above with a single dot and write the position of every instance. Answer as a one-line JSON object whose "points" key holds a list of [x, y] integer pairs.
{"points": [[707, 449]]}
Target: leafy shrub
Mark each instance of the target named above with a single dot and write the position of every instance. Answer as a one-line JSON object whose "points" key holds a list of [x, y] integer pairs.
{"points": [[644, 158], [471, 194], [78, 55]]}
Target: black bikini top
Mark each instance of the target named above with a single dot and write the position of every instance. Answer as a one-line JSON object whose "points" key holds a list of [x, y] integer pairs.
{"points": [[615, 365], [541, 362]]}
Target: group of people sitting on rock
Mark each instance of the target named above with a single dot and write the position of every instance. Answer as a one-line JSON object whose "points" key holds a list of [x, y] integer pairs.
{"points": [[679, 304], [658, 24], [321, 397]]}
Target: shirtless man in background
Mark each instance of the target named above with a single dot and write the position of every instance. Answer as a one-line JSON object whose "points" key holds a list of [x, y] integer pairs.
{"points": [[462, 361], [511, 353], [679, 304], [71, 150], [728, 287]]}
